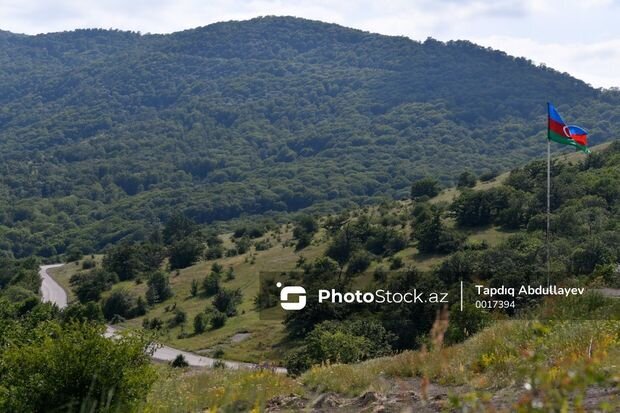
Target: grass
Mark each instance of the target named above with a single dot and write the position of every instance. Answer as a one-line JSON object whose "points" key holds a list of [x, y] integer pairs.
{"points": [[571, 356], [211, 390], [62, 275], [267, 341], [266, 336]]}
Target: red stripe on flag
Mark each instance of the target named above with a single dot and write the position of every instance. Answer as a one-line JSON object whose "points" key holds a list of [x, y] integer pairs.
{"points": [[580, 139], [557, 127]]}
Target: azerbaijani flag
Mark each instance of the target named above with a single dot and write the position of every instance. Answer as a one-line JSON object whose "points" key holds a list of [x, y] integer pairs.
{"points": [[560, 132]]}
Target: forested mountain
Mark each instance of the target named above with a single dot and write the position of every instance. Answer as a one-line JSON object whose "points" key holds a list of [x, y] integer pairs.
{"points": [[103, 134]]}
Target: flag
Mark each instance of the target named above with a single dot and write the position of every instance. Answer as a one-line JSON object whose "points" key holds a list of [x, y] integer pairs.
{"points": [[560, 132]]}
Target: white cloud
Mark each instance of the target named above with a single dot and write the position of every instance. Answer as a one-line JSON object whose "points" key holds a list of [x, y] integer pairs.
{"points": [[596, 63]]}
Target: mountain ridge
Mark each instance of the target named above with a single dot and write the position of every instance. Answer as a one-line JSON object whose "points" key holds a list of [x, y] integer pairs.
{"points": [[107, 132]]}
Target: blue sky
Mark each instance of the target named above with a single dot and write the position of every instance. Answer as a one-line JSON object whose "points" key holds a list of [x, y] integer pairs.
{"points": [[581, 37]]}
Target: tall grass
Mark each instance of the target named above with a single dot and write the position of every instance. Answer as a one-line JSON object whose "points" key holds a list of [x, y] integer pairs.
{"points": [[228, 390]]}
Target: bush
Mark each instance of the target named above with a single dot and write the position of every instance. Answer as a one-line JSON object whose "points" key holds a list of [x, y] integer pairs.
{"points": [[194, 288], [467, 180], [215, 252], [75, 368], [89, 286], [178, 318], [211, 284], [488, 176], [397, 263], [226, 301], [340, 342], [121, 303], [359, 262], [88, 264], [425, 187], [158, 288], [218, 319], [201, 322], [179, 362], [185, 253]]}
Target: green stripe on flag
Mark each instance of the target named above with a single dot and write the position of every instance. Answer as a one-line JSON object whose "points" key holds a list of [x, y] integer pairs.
{"points": [[555, 137]]}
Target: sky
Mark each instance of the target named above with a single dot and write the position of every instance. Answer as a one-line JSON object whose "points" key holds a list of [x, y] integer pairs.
{"points": [[581, 37]]}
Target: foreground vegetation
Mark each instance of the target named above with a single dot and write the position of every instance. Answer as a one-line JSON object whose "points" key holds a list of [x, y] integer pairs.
{"points": [[201, 291], [190, 286], [545, 366]]}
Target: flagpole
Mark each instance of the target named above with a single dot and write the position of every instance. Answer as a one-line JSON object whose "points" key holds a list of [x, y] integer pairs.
{"points": [[548, 207]]}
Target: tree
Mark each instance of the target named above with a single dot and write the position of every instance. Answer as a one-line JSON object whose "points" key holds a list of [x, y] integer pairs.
{"points": [[340, 342], [123, 260], [74, 367], [158, 288], [226, 301], [359, 262], [185, 252], [179, 362], [425, 187], [201, 321], [121, 303], [177, 228], [467, 179], [88, 286], [433, 237], [211, 284], [179, 317], [305, 227], [218, 319], [194, 288]]}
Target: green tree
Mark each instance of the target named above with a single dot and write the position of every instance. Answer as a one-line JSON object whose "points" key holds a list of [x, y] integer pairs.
{"points": [[123, 260], [185, 253], [121, 303], [158, 288], [201, 321], [177, 228], [226, 301], [425, 187], [75, 367], [467, 179]]}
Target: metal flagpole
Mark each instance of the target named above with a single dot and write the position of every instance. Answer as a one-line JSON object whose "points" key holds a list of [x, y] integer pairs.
{"points": [[548, 207]]}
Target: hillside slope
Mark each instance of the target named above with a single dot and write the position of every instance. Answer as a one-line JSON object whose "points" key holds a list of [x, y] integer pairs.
{"points": [[507, 248], [104, 133]]}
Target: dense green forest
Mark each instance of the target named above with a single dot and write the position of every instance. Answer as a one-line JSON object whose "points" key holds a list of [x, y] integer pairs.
{"points": [[103, 133]]}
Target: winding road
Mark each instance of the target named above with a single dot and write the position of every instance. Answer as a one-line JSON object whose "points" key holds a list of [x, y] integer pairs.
{"points": [[52, 292]]}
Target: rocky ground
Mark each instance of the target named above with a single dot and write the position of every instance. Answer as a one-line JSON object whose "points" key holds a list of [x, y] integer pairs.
{"points": [[415, 395]]}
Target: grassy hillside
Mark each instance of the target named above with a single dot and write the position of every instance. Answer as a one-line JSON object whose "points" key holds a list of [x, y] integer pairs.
{"points": [[104, 133], [545, 366], [246, 336]]}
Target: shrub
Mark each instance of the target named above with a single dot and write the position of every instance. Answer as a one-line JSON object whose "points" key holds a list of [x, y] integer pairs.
{"points": [[179, 362], [88, 264], [158, 288], [88, 286], [75, 368], [178, 318], [424, 187], [218, 319], [211, 284], [359, 262], [201, 322], [226, 301], [185, 252], [194, 288], [467, 180], [121, 303]]}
